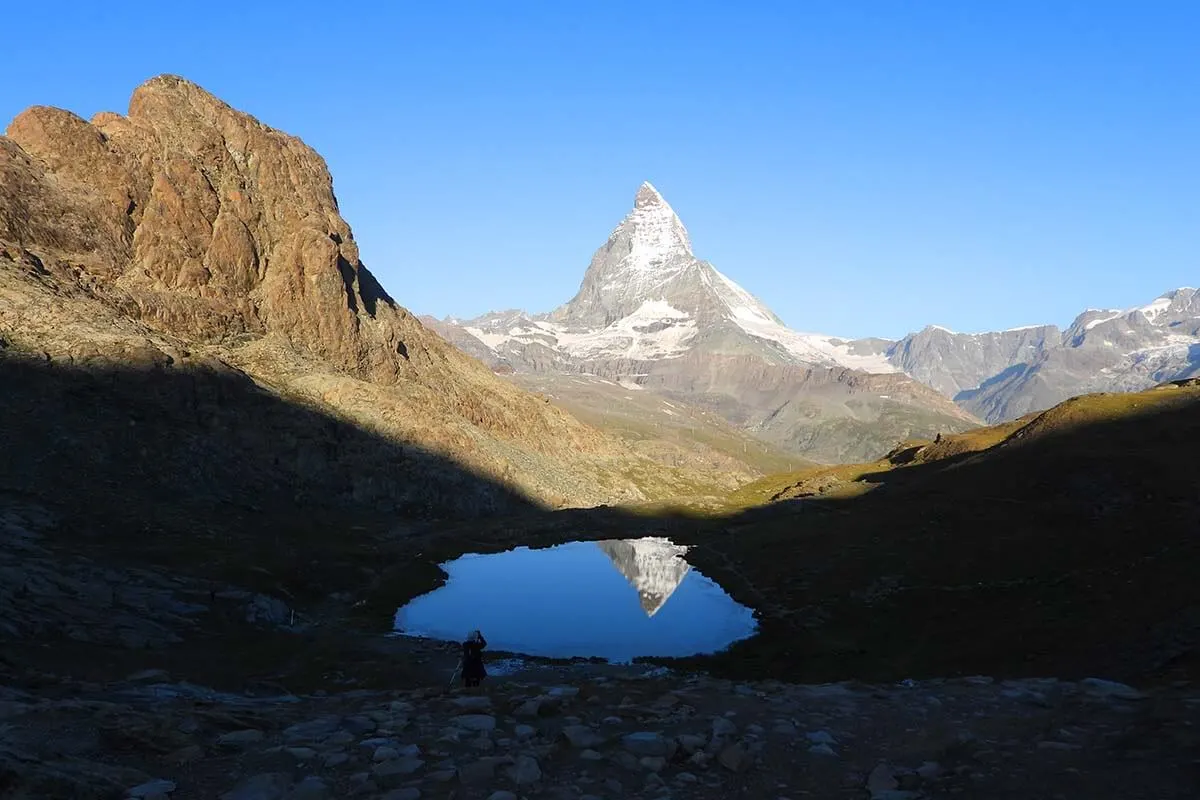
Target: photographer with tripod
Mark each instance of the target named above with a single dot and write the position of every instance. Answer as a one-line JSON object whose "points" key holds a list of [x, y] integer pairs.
{"points": [[471, 663]]}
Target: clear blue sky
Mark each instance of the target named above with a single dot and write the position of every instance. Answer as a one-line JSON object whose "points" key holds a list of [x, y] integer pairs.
{"points": [[865, 167]]}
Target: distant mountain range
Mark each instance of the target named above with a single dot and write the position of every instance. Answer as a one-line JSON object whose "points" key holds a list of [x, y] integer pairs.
{"points": [[650, 314], [1004, 375]]}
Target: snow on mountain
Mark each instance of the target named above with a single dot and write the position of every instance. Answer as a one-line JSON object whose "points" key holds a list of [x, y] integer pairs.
{"points": [[655, 329], [1100, 317], [646, 296], [1003, 375], [654, 567], [1181, 299], [755, 319], [651, 245], [649, 312]]}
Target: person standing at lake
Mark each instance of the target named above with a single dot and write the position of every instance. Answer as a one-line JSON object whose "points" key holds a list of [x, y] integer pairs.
{"points": [[473, 670]]}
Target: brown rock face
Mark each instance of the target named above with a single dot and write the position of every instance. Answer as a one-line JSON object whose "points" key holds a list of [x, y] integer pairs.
{"points": [[204, 223], [189, 227], [211, 223]]}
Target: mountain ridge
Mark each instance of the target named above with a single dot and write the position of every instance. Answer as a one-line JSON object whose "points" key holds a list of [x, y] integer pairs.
{"points": [[646, 300], [1002, 375]]}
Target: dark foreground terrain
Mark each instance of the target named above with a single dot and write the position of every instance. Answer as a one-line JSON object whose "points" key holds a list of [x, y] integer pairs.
{"points": [[238, 650]]}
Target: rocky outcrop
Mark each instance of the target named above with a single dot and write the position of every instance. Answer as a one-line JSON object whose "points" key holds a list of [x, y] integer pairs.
{"points": [[187, 231], [206, 224]]}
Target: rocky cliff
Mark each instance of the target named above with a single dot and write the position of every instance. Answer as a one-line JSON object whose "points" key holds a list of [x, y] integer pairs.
{"points": [[953, 362]]}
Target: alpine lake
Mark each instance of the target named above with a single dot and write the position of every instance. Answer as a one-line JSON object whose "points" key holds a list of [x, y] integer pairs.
{"points": [[617, 600]]}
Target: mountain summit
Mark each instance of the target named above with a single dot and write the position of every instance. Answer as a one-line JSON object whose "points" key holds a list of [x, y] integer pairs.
{"points": [[646, 295], [647, 268], [649, 312], [643, 255]]}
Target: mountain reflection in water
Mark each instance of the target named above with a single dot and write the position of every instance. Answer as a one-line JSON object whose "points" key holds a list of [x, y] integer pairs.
{"points": [[653, 566], [569, 601]]}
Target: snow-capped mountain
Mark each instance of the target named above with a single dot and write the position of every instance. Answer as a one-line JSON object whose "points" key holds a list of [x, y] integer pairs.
{"points": [[654, 567], [645, 295], [1006, 374], [649, 312]]}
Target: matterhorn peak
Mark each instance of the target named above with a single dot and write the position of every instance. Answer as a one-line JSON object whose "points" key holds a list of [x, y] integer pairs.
{"points": [[647, 275], [648, 196], [648, 250], [646, 297], [653, 233]]}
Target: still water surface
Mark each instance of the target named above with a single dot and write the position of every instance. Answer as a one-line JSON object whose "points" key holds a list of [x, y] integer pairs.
{"points": [[615, 599]]}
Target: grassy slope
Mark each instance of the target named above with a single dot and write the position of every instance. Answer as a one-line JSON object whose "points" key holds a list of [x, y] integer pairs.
{"points": [[1064, 543], [807, 429], [669, 431], [848, 480]]}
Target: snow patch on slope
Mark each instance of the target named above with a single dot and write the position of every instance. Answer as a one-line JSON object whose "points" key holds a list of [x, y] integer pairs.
{"points": [[1111, 315], [654, 330], [492, 340], [743, 305], [749, 314], [1154, 309], [659, 246], [656, 232], [1151, 311]]}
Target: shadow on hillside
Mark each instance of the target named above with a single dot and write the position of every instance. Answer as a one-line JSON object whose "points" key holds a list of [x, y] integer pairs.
{"points": [[916, 463], [966, 395], [1072, 554], [187, 466]]}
